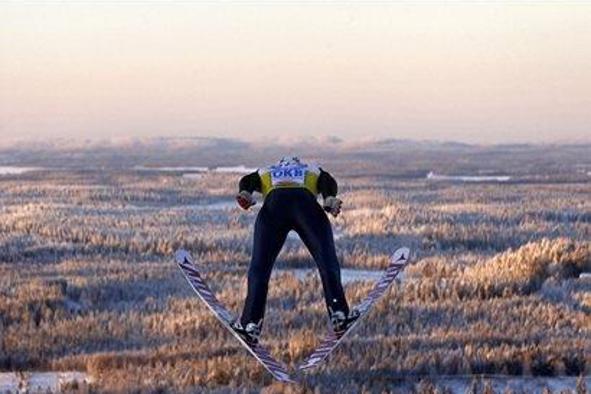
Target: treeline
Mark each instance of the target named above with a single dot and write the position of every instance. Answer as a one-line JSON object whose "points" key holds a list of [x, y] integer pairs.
{"points": [[88, 283]]}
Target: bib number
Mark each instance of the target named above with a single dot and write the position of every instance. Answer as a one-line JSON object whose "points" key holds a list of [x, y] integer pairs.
{"points": [[294, 175]]}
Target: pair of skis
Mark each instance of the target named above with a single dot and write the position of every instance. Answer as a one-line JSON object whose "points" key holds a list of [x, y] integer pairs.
{"points": [[279, 371]]}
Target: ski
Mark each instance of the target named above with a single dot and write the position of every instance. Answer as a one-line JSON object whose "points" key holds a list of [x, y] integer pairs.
{"points": [[398, 261], [185, 262]]}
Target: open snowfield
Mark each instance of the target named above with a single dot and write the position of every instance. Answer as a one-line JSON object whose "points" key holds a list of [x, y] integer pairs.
{"points": [[43, 382], [499, 285]]}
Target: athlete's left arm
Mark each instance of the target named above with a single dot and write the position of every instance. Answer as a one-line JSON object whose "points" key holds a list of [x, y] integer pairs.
{"points": [[327, 185]]}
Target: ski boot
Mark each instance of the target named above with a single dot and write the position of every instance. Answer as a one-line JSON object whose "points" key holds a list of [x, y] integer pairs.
{"points": [[251, 333], [341, 322]]}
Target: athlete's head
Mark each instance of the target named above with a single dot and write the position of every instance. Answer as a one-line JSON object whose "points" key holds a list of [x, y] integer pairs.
{"points": [[288, 161]]}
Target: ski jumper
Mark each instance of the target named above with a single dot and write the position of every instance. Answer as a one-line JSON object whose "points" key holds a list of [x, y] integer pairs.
{"points": [[290, 204]]}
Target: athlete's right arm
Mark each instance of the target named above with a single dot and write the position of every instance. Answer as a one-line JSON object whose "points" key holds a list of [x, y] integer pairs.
{"points": [[327, 186], [247, 185]]}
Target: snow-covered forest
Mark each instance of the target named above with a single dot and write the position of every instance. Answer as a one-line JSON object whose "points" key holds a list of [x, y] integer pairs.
{"points": [[88, 282]]}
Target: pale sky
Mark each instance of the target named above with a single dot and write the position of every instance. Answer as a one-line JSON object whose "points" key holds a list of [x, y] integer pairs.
{"points": [[482, 72]]}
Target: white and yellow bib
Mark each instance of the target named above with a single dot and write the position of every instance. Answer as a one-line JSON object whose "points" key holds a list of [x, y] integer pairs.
{"points": [[295, 175]]}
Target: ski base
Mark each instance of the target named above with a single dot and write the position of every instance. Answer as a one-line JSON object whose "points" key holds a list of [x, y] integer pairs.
{"points": [[398, 261], [185, 262]]}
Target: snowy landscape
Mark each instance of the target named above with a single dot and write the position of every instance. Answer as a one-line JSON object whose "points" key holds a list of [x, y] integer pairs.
{"points": [[497, 298]]}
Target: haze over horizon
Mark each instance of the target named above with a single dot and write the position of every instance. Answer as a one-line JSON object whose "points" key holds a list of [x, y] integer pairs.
{"points": [[479, 73]]}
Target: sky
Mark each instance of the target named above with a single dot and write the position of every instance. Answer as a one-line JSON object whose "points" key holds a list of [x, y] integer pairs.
{"points": [[479, 72]]}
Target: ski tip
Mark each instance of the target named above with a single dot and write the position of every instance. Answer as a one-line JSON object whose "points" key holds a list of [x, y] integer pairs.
{"points": [[181, 256], [400, 255]]}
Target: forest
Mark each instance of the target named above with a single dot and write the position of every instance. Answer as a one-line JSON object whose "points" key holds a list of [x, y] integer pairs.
{"points": [[497, 285]]}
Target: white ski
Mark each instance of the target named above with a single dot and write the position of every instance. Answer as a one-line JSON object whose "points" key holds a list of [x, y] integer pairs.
{"points": [[398, 261], [185, 262]]}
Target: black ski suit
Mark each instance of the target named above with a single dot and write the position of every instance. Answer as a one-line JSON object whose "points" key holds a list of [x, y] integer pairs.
{"points": [[286, 209]]}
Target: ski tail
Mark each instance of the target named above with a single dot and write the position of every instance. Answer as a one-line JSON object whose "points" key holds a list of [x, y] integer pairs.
{"points": [[331, 341], [193, 276]]}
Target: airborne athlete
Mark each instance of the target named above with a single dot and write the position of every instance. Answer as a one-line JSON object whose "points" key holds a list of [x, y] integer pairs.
{"points": [[290, 189]]}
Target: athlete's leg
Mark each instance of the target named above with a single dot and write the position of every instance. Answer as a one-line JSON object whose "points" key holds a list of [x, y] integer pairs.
{"points": [[314, 229], [269, 237]]}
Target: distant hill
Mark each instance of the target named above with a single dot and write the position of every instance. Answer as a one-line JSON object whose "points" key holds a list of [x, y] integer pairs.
{"points": [[386, 157]]}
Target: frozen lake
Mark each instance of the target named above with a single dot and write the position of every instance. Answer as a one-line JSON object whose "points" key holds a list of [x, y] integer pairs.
{"points": [[56, 382], [10, 170], [41, 382], [222, 205], [468, 178], [171, 169], [192, 175], [235, 169], [240, 169]]}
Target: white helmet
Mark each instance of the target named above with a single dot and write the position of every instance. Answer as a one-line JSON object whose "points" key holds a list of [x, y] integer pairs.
{"points": [[288, 161]]}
